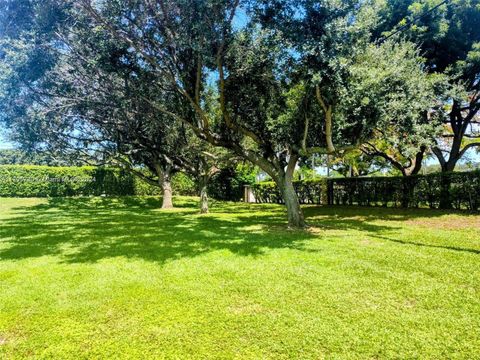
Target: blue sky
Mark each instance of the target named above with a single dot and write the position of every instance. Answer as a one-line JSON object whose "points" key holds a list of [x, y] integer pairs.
{"points": [[4, 144]]}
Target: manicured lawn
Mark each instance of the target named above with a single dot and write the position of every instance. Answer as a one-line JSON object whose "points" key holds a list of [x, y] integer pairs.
{"points": [[118, 278]]}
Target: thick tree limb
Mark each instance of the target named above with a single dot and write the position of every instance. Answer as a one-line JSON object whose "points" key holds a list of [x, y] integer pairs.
{"points": [[328, 109]]}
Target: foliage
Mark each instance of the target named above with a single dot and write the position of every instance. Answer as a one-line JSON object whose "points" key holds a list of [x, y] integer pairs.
{"points": [[115, 278], [43, 181], [229, 183], [182, 184], [405, 131], [449, 36], [89, 100], [305, 172], [357, 163]]}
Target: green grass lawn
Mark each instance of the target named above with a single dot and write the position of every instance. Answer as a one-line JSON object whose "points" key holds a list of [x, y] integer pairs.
{"points": [[119, 278]]}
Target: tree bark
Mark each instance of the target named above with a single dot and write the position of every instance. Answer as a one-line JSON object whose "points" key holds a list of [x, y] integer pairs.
{"points": [[295, 215], [203, 195], [416, 165], [294, 211], [166, 185], [459, 125], [445, 184]]}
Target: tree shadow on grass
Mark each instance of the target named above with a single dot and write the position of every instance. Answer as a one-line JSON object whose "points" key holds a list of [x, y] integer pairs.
{"points": [[87, 230], [90, 229], [372, 213], [432, 246], [361, 218]]}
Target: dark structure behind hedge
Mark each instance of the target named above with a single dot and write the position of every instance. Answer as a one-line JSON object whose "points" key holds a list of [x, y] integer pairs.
{"points": [[458, 190]]}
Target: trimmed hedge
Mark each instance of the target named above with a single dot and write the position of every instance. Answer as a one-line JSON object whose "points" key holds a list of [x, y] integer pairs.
{"points": [[458, 190], [45, 181], [308, 192]]}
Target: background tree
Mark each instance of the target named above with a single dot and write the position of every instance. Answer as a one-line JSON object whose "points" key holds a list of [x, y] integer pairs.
{"points": [[411, 123], [28, 157], [207, 162], [448, 34]]}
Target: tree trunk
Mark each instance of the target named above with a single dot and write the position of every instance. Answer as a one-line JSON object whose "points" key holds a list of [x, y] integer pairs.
{"points": [[203, 195], [285, 183], [417, 163], [445, 182], [294, 211], [445, 199], [166, 185]]}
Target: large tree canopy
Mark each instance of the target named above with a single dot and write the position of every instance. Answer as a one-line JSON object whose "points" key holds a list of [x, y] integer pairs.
{"points": [[298, 78]]}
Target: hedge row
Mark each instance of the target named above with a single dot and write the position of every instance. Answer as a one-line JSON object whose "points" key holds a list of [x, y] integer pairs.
{"points": [[308, 191], [460, 190], [45, 181]]}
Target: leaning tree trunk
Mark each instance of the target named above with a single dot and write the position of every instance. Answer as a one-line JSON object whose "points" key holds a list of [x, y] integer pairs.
{"points": [[285, 184], [283, 178], [294, 211], [203, 195], [166, 185]]}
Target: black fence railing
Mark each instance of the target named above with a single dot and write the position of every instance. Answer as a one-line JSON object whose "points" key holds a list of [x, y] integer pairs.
{"points": [[458, 190], [308, 192]]}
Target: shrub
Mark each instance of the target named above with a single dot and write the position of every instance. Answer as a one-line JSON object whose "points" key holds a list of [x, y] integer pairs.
{"points": [[182, 184], [44, 181]]}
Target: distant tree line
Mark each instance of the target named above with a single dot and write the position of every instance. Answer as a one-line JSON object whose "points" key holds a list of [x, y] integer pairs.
{"points": [[19, 157]]}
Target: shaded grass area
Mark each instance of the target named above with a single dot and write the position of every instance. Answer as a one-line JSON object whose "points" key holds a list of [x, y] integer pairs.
{"points": [[119, 278]]}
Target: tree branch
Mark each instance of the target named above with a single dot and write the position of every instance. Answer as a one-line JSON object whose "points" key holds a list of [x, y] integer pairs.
{"points": [[328, 109], [467, 147]]}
